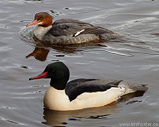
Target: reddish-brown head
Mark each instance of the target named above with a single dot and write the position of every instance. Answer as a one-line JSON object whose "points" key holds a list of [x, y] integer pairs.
{"points": [[42, 19]]}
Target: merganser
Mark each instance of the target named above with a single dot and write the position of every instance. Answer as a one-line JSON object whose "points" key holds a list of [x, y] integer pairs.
{"points": [[81, 93], [68, 31]]}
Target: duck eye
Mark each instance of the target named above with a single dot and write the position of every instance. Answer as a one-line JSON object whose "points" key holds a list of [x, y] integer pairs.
{"points": [[39, 19]]}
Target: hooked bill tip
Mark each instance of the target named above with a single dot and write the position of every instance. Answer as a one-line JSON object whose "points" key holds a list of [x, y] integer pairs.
{"points": [[30, 79]]}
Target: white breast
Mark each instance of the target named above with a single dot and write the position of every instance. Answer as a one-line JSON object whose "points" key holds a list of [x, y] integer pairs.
{"points": [[57, 99]]}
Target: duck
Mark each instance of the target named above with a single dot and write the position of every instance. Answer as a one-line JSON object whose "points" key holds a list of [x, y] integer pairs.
{"points": [[81, 93], [68, 31]]}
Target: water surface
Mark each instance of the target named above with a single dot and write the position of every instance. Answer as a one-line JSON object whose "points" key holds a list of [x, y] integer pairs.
{"points": [[133, 58]]}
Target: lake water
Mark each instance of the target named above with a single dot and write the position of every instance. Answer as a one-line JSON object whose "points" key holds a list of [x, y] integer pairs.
{"points": [[134, 58]]}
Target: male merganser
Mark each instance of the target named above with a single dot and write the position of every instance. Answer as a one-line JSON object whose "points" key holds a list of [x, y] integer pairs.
{"points": [[68, 31], [81, 93]]}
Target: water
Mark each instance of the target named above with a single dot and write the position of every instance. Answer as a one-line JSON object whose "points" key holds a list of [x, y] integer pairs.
{"points": [[133, 58]]}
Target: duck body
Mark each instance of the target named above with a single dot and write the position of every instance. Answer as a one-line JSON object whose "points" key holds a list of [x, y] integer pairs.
{"points": [[68, 31], [81, 93], [85, 100]]}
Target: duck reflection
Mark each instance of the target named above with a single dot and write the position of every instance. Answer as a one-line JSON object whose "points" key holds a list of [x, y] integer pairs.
{"points": [[76, 48], [60, 118], [40, 52]]}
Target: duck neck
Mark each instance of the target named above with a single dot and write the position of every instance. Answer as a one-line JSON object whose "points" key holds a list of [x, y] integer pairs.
{"points": [[59, 84], [40, 31]]}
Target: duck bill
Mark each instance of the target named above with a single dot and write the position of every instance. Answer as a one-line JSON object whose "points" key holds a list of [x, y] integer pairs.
{"points": [[43, 75], [33, 23]]}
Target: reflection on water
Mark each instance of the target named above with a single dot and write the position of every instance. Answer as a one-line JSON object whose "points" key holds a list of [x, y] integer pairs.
{"points": [[59, 118], [135, 60], [41, 52]]}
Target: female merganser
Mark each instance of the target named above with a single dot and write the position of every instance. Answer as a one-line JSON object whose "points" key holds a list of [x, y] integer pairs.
{"points": [[68, 31], [81, 93]]}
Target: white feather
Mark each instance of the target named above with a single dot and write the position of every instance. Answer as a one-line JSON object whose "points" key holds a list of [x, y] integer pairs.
{"points": [[57, 99], [78, 32]]}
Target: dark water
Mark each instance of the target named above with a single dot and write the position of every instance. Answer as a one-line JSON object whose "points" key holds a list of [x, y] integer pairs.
{"points": [[133, 58]]}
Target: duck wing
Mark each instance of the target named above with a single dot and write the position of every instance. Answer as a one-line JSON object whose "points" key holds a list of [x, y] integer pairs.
{"points": [[79, 86], [66, 27], [70, 27]]}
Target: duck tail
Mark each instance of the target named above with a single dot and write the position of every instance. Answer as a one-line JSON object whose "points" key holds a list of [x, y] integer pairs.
{"points": [[132, 87]]}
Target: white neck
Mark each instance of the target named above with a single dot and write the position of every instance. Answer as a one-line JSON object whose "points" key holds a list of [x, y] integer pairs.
{"points": [[40, 31]]}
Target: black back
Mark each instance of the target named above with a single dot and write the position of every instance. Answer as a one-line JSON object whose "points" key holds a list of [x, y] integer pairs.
{"points": [[79, 86]]}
